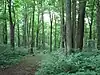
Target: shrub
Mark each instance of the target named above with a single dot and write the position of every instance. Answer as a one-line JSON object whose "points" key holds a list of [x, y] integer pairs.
{"points": [[83, 63]]}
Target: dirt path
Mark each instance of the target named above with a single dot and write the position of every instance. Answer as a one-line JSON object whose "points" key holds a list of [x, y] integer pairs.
{"points": [[27, 66]]}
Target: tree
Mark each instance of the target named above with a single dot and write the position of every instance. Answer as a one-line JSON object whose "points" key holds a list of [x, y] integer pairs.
{"points": [[62, 24], [43, 34], [33, 25], [92, 16], [81, 16], [51, 22], [37, 32], [98, 23], [25, 26], [55, 45], [33, 38], [5, 38], [18, 35], [69, 27], [73, 23], [12, 27]]}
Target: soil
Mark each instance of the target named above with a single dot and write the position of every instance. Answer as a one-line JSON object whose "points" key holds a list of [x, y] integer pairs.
{"points": [[27, 66]]}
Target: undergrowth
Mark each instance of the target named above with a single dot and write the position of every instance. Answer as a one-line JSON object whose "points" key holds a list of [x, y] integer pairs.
{"points": [[83, 63], [10, 57]]}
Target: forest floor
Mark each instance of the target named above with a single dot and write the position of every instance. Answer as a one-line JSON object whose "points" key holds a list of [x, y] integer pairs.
{"points": [[27, 66]]}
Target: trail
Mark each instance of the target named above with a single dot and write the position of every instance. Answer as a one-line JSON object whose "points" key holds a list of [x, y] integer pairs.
{"points": [[27, 66]]}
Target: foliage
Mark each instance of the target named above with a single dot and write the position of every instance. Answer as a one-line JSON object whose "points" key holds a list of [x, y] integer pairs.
{"points": [[9, 57], [83, 63]]}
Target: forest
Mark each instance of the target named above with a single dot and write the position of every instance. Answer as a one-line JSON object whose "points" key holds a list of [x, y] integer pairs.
{"points": [[49, 37]]}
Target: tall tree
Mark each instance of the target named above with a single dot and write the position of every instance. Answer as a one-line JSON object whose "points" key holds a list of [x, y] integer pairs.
{"points": [[37, 32], [62, 24], [68, 26], [55, 35], [18, 33], [29, 30], [51, 22], [98, 23], [43, 34], [33, 38], [81, 16], [25, 26], [12, 27], [5, 25], [73, 23], [92, 17]]}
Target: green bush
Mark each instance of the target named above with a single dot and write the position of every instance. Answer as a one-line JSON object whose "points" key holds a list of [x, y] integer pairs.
{"points": [[83, 63], [10, 57]]}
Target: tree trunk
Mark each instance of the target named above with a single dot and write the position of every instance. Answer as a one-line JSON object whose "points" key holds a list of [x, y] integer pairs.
{"points": [[68, 26], [43, 34], [62, 24], [98, 23], [73, 23], [37, 34], [29, 29], [11, 25], [81, 16], [51, 21], [18, 34], [25, 27], [91, 22], [5, 26], [33, 38], [55, 45]]}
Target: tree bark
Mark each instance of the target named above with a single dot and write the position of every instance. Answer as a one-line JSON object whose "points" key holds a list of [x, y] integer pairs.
{"points": [[37, 34], [73, 23], [51, 22], [98, 23], [43, 34], [55, 45], [33, 38], [69, 27], [81, 16], [5, 39], [18, 34], [25, 27], [62, 24], [11, 25], [91, 22]]}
